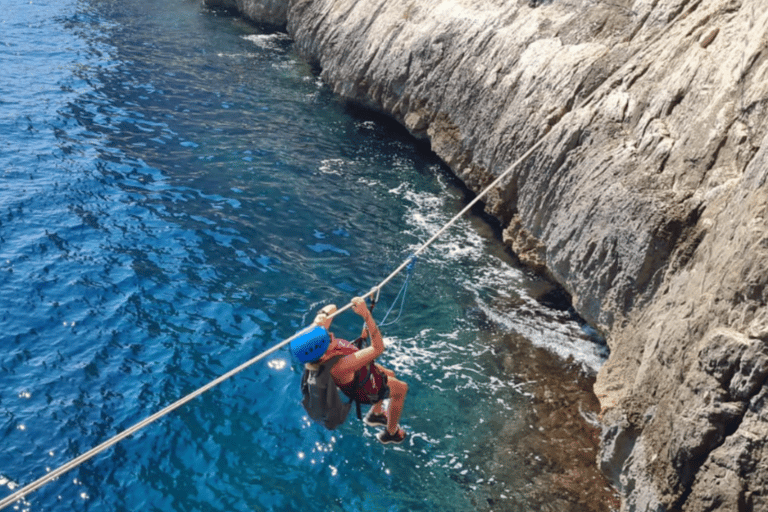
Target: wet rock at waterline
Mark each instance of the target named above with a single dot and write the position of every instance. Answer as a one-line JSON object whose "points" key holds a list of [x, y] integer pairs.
{"points": [[646, 198], [272, 12]]}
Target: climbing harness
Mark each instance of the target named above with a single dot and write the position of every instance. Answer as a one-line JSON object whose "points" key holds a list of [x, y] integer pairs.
{"points": [[372, 295]]}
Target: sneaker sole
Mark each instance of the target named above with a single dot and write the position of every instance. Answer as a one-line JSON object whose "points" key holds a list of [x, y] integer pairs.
{"points": [[392, 440]]}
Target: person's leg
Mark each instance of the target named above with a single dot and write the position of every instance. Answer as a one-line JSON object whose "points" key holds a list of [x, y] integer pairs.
{"points": [[387, 371], [398, 389], [378, 407]]}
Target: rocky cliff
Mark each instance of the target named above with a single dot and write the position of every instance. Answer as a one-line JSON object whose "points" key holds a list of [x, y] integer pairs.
{"points": [[646, 196]]}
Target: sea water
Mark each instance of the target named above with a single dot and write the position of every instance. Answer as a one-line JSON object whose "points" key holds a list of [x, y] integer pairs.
{"points": [[178, 193]]}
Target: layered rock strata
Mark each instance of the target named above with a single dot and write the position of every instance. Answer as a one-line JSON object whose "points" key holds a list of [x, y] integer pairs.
{"points": [[646, 196]]}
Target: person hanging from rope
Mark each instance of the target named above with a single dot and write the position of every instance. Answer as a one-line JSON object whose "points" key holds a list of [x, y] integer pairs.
{"points": [[357, 375]]}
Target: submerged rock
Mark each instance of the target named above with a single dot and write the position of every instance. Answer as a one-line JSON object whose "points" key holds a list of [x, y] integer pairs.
{"points": [[272, 12], [646, 195]]}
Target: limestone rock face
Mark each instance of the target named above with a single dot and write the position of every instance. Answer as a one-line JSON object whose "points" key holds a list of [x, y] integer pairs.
{"points": [[645, 196]]}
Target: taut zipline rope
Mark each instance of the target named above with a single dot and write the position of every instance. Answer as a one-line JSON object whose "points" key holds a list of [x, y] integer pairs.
{"points": [[52, 475], [24, 491]]}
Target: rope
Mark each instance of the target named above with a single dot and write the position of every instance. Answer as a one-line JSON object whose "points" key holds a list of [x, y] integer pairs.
{"points": [[410, 261], [132, 430], [403, 290], [373, 292]]}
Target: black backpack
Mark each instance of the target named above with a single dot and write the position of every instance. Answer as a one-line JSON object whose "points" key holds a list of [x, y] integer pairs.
{"points": [[320, 396]]}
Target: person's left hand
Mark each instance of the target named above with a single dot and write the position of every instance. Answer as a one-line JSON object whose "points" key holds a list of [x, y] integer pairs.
{"points": [[360, 307]]}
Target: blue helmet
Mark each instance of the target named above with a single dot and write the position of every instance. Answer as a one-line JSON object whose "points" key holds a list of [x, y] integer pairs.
{"points": [[310, 344]]}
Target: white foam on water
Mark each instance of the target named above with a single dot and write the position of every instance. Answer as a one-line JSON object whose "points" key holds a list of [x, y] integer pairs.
{"points": [[492, 279], [268, 41]]}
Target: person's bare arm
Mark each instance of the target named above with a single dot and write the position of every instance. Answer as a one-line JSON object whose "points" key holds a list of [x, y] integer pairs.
{"points": [[354, 362]]}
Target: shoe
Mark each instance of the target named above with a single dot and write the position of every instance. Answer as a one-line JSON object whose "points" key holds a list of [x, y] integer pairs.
{"points": [[375, 420], [396, 438]]}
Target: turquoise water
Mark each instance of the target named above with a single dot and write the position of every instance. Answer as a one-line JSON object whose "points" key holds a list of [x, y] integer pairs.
{"points": [[178, 192]]}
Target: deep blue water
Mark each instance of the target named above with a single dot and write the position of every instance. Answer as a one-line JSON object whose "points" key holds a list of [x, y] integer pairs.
{"points": [[178, 192]]}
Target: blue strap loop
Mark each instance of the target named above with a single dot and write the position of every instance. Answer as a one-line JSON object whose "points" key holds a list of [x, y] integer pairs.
{"points": [[401, 294]]}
